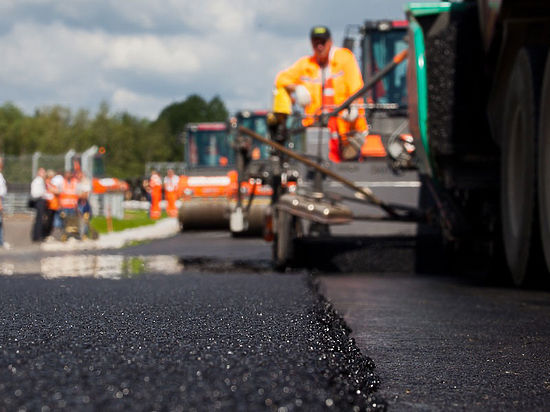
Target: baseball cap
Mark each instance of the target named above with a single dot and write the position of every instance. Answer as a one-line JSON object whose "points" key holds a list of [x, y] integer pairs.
{"points": [[319, 32]]}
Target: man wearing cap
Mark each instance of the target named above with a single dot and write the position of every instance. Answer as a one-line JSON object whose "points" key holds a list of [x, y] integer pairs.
{"points": [[323, 81]]}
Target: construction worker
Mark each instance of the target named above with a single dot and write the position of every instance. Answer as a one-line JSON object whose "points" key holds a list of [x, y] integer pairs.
{"points": [[52, 202], [3, 192], [38, 195], [68, 198], [57, 182], [84, 208], [323, 81], [155, 184], [171, 181]]}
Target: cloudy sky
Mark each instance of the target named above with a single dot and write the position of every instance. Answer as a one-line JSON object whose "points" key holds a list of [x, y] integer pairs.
{"points": [[141, 55]]}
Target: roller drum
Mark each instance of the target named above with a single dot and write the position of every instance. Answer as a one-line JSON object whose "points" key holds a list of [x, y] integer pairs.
{"points": [[209, 213]]}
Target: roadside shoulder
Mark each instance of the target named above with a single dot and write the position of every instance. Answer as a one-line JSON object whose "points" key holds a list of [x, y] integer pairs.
{"points": [[114, 240]]}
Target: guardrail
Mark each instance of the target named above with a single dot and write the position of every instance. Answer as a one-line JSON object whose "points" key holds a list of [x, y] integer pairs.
{"points": [[16, 203]]}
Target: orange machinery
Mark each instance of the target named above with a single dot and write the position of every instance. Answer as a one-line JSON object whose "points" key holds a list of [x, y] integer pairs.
{"points": [[210, 179]]}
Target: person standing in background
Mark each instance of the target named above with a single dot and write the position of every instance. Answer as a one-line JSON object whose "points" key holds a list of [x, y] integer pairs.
{"points": [[155, 183], [57, 183], [3, 192], [69, 194], [171, 181], [52, 202], [38, 194], [146, 190], [83, 205]]}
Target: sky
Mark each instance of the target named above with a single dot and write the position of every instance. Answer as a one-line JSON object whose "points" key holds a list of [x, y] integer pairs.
{"points": [[139, 56]]}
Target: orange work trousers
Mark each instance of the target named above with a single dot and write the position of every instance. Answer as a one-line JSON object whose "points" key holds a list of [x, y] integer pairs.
{"points": [[171, 209], [156, 197]]}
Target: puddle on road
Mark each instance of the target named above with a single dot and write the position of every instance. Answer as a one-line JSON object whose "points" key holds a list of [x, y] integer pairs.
{"points": [[121, 266], [96, 266]]}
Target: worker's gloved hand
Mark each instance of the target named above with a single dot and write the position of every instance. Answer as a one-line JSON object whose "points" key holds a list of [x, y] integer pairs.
{"points": [[350, 114], [303, 98]]}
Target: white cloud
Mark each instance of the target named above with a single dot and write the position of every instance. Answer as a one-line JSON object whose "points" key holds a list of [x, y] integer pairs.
{"points": [[122, 99], [140, 56], [160, 55]]}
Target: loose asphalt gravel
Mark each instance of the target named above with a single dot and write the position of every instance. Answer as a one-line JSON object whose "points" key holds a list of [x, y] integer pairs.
{"points": [[192, 341]]}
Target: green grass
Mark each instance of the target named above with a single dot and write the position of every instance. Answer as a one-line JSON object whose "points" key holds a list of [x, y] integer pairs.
{"points": [[132, 218]]}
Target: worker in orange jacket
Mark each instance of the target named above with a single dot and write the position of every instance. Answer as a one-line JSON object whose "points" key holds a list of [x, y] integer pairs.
{"points": [[171, 182], [155, 183], [68, 198], [321, 82]]}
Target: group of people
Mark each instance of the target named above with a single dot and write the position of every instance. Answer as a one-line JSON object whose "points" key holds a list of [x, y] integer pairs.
{"points": [[154, 187], [57, 198], [318, 82]]}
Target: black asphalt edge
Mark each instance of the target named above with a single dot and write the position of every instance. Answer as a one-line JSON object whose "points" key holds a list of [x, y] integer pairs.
{"points": [[351, 372], [370, 254]]}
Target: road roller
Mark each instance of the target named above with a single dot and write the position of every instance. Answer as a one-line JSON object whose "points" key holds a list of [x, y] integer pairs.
{"points": [[210, 179]]}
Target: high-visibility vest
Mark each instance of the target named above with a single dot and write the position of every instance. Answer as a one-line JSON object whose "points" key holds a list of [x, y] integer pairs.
{"points": [[171, 183], [68, 198], [51, 198], [342, 79], [155, 183]]}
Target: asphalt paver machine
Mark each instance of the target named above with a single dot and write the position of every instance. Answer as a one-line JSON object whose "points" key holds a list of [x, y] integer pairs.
{"points": [[303, 202]]}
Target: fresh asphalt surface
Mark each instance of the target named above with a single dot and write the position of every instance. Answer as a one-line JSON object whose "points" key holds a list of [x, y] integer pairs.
{"points": [[188, 341], [220, 330], [449, 343]]}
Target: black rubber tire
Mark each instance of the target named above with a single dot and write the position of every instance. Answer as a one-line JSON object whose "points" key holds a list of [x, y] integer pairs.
{"points": [[544, 165], [518, 172]]}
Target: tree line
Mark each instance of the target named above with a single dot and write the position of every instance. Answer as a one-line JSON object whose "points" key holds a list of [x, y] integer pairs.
{"points": [[129, 141]]}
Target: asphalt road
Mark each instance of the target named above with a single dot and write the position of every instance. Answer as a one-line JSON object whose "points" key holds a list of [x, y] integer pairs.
{"points": [[200, 321], [119, 338], [449, 342], [187, 341]]}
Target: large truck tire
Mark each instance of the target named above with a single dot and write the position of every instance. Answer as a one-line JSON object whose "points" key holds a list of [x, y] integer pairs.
{"points": [[544, 164], [518, 169]]}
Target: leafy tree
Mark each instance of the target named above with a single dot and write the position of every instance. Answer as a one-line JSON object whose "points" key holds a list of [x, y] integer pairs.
{"points": [[130, 142], [217, 112], [194, 109]]}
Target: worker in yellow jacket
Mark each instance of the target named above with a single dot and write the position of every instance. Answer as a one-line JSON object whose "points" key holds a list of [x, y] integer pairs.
{"points": [[323, 81]]}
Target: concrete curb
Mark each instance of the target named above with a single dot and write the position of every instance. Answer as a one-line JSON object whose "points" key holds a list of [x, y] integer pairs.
{"points": [[161, 229]]}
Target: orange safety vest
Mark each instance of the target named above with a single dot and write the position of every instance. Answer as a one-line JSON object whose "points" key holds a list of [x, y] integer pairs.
{"points": [[68, 198], [342, 78], [52, 197], [170, 187], [171, 184]]}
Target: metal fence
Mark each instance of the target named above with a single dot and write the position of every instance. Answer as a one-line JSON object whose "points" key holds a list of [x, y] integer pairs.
{"points": [[17, 170], [16, 203], [20, 170], [162, 167], [108, 204], [57, 163]]}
